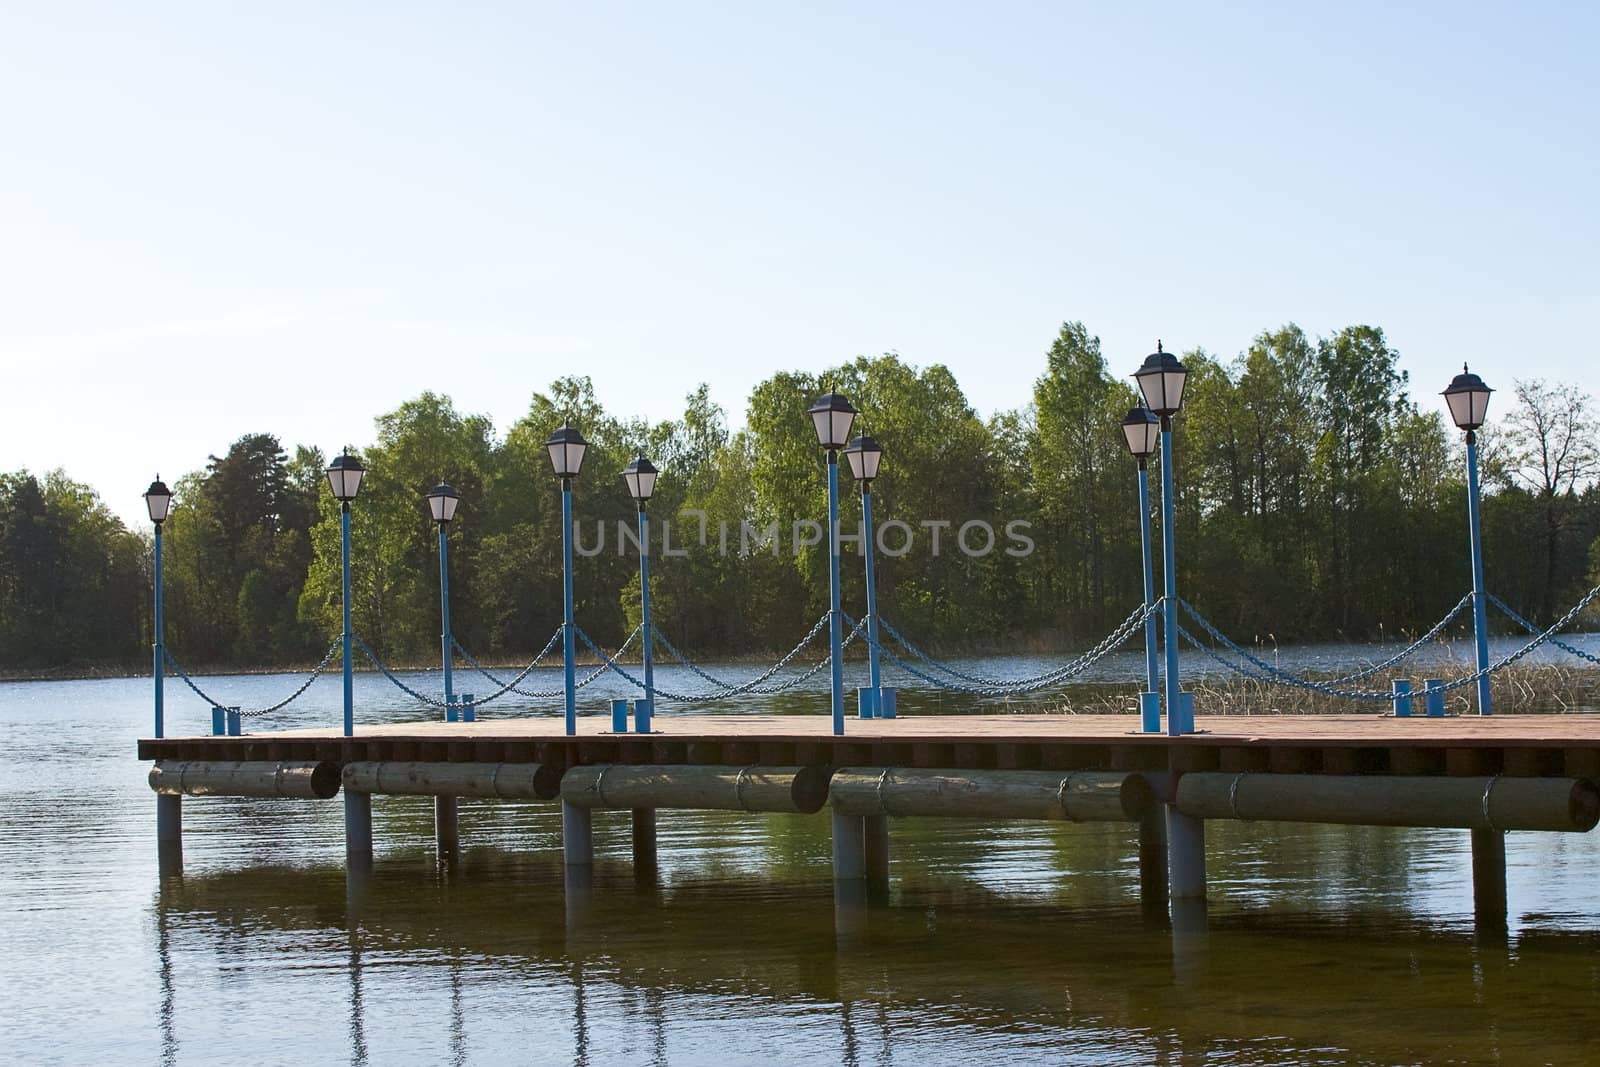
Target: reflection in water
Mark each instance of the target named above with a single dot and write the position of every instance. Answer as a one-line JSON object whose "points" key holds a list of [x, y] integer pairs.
{"points": [[169, 1002], [996, 944]]}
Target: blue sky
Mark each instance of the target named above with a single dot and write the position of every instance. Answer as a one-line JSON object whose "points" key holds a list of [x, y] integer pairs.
{"points": [[215, 221]]}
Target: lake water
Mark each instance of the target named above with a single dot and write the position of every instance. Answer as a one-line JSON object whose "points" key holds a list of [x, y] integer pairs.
{"points": [[1012, 944]]}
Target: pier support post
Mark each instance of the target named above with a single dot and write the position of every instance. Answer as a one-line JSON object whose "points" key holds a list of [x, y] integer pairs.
{"points": [[1489, 877], [446, 825], [577, 835], [1186, 855], [1153, 860], [644, 841], [357, 828], [169, 832], [875, 834], [849, 848]]}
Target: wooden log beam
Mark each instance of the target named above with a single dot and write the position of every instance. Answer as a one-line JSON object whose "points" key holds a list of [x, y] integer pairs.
{"points": [[491, 781], [800, 790], [1079, 796], [1478, 803], [303, 779]]}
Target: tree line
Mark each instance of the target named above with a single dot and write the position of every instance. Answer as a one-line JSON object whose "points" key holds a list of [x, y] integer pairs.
{"points": [[1316, 499]]}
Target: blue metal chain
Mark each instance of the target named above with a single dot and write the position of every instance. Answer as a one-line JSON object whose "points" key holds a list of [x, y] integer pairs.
{"points": [[1268, 672], [511, 686], [1328, 683], [1532, 629], [279, 706], [1542, 638], [387, 673], [755, 685], [1067, 670], [1117, 637], [707, 698]]}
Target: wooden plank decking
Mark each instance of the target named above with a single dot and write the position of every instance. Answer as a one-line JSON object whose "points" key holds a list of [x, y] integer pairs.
{"points": [[1335, 744]]}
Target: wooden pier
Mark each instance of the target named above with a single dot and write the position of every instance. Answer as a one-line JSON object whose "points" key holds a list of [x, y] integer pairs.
{"points": [[1521, 745], [1486, 775]]}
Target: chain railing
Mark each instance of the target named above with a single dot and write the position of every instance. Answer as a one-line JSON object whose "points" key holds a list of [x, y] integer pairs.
{"points": [[723, 694], [1532, 629], [1131, 625], [316, 672], [756, 684], [1066, 670]]}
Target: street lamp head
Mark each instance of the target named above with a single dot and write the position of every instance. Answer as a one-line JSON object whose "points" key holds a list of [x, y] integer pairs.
{"points": [[442, 501], [832, 415], [567, 447], [1161, 380], [864, 456], [1142, 428], [344, 477], [158, 498], [1468, 398], [641, 478]]}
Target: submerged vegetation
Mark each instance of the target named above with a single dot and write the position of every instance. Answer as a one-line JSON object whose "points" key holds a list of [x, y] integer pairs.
{"points": [[1316, 499]]}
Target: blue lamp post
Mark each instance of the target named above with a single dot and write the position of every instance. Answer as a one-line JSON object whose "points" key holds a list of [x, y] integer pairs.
{"points": [[344, 477], [640, 476], [158, 500], [566, 447], [864, 456], [1142, 428], [1468, 399], [831, 417], [1161, 380], [442, 503]]}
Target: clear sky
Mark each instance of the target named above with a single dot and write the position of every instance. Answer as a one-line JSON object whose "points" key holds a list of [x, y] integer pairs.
{"points": [[216, 220]]}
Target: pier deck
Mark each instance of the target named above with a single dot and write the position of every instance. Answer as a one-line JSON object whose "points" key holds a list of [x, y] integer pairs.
{"points": [[1531, 745]]}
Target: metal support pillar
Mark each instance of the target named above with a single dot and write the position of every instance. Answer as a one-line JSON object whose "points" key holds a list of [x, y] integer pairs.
{"points": [[1489, 877], [849, 848], [1153, 860], [169, 832], [875, 832], [444, 615], [873, 707], [160, 649], [577, 835], [1186, 855], [835, 615], [1149, 700], [566, 606], [357, 828], [446, 825], [644, 840], [1480, 624], [1169, 626], [349, 676]]}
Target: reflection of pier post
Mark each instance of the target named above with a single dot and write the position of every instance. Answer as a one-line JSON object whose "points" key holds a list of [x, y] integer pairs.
{"points": [[357, 829], [644, 845], [1191, 940], [875, 831], [446, 826]]}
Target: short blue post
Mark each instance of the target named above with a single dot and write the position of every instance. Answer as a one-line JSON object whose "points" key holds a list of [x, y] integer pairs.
{"points": [[835, 612], [1401, 690], [469, 710], [873, 705], [1480, 624], [1169, 628], [619, 716], [566, 603], [235, 722], [1150, 699], [452, 713], [642, 710], [1433, 696], [444, 613], [219, 721], [160, 645], [349, 675]]}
